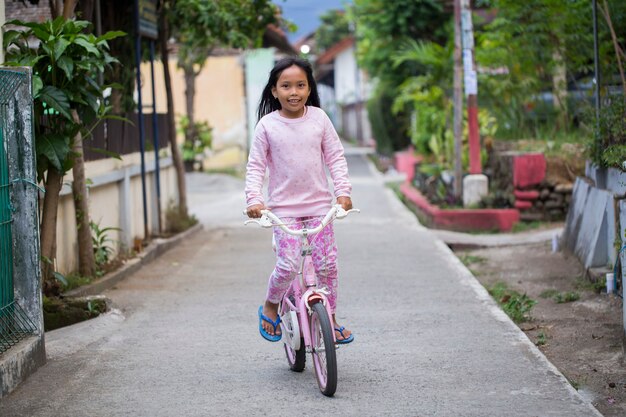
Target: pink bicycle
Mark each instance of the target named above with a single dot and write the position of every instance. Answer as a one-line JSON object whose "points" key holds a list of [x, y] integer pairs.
{"points": [[304, 312]]}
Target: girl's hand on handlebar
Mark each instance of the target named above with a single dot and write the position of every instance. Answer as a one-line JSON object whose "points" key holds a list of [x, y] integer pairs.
{"points": [[345, 203], [254, 212]]}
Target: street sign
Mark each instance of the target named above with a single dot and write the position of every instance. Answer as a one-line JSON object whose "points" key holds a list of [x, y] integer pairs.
{"points": [[148, 19]]}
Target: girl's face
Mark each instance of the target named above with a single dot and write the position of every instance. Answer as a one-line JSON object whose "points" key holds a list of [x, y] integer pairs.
{"points": [[292, 91]]}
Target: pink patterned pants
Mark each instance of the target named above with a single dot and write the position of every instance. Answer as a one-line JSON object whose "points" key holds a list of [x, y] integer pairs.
{"points": [[324, 258]]}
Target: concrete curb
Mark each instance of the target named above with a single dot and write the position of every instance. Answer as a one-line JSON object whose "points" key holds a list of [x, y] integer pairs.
{"points": [[459, 240], [155, 248]]}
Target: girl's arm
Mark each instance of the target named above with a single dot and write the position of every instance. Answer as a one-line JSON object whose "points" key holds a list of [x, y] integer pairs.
{"points": [[255, 172], [335, 160]]}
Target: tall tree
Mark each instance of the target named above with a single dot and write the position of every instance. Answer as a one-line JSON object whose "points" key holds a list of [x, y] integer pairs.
{"points": [[86, 259], [201, 26], [381, 26], [164, 36], [67, 100], [335, 25]]}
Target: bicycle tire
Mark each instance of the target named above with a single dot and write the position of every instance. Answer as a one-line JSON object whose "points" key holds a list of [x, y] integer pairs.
{"points": [[296, 358], [323, 350]]}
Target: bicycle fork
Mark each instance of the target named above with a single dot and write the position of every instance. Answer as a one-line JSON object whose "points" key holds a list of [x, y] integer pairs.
{"points": [[311, 296]]}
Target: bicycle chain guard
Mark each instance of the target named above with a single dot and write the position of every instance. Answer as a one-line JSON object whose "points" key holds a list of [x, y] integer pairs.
{"points": [[291, 329]]}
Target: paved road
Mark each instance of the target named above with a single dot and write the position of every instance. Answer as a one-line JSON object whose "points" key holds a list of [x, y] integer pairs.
{"points": [[429, 339]]}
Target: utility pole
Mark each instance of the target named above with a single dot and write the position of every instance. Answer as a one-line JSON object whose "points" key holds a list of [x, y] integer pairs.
{"points": [[475, 185], [458, 103], [471, 87]]}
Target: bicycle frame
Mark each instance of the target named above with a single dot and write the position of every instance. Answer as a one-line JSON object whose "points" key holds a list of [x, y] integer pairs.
{"points": [[304, 310], [304, 289]]}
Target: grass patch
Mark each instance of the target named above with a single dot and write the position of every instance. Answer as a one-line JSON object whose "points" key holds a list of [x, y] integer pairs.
{"points": [[517, 306], [560, 297], [549, 293], [526, 226], [74, 281], [566, 297], [584, 284], [541, 339], [176, 221], [472, 259]]}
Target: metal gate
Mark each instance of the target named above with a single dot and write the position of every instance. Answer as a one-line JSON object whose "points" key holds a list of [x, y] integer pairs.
{"points": [[14, 322]]}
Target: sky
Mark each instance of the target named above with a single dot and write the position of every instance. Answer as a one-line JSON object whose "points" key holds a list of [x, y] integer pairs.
{"points": [[305, 14]]}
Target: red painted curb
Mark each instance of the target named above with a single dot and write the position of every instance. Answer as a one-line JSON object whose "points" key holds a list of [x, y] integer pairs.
{"points": [[461, 219]]}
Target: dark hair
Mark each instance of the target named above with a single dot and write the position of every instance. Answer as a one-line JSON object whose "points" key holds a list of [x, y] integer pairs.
{"points": [[268, 103]]}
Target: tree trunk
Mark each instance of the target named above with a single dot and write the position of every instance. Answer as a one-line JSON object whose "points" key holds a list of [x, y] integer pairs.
{"points": [[190, 93], [559, 87], [176, 156], [86, 260], [68, 8], [53, 184]]}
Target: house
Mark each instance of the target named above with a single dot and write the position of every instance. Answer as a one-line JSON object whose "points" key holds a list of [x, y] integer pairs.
{"points": [[345, 89]]}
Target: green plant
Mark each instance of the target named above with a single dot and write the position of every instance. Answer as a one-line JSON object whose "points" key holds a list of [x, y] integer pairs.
{"points": [[202, 139], [75, 280], [102, 245], [389, 129], [549, 293], [608, 147], [68, 99], [65, 69], [582, 283], [176, 221], [541, 339], [472, 259], [517, 306], [566, 297]]}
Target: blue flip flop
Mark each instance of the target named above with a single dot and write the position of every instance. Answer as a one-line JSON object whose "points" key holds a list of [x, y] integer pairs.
{"points": [[266, 335], [344, 340]]}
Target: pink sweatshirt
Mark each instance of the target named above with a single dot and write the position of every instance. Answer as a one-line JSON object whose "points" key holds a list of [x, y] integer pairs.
{"points": [[295, 152]]}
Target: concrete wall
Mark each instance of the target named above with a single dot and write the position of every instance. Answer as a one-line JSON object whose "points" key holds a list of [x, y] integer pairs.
{"points": [[115, 200], [18, 138], [352, 90], [595, 227], [258, 64], [219, 100]]}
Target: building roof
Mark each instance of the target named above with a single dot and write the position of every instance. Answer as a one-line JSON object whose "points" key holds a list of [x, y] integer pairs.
{"points": [[331, 53], [275, 36]]}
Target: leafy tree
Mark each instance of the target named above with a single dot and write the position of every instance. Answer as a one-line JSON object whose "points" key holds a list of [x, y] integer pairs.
{"points": [[68, 101], [335, 25], [546, 42], [201, 26], [380, 27]]}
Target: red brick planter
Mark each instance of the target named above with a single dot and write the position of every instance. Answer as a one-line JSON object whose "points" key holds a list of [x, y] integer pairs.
{"points": [[463, 220]]}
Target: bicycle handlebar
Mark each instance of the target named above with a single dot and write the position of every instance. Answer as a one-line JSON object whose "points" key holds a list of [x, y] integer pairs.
{"points": [[269, 219]]}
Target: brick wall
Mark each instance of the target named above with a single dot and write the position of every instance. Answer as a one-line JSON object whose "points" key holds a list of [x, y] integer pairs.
{"points": [[27, 12]]}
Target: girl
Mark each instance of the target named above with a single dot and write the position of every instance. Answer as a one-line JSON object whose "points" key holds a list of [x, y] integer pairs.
{"points": [[294, 140]]}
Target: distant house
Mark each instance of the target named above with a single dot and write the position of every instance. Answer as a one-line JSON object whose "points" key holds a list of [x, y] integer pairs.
{"points": [[344, 90]]}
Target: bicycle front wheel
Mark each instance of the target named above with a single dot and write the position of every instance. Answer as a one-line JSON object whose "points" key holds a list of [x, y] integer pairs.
{"points": [[323, 350]]}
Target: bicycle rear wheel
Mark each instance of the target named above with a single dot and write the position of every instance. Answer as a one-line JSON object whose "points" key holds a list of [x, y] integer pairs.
{"points": [[323, 350]]}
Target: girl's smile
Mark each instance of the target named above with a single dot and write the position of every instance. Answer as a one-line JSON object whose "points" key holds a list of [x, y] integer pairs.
{"points": [[292, 91]]}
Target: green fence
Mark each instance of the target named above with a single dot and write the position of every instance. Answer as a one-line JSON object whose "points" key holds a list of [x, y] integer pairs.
{"points": [[6, 239], [14, 322]]}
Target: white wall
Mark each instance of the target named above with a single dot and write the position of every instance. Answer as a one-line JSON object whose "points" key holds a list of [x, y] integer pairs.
{"points": [[346, 79], [115, 200], [351, 87], [258, 64]]}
